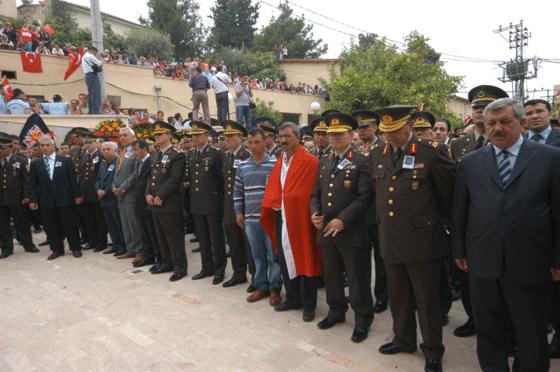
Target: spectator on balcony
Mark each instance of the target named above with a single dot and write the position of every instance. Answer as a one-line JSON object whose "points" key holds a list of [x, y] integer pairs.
{"points": [[58, 107], [5, 43], [200, 85], [26, 36], [107, 109], [18, 105], [57, 51], [45, 38], [11, 33], [41, 49], [35, 37], [132, 59]]}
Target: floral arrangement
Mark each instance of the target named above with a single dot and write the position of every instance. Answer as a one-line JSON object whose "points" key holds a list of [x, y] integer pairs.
{"points": [[143, 129], [109, 129], [34, 135]]}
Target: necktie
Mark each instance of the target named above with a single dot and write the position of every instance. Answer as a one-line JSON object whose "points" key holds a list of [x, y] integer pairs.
{"points": [[397, 156], [319, 154], [336, 160], [140, 166], [231, 156], [504, 167], [197, 156], [48, 166], [479, 143], [538, 138], [121, 159]]}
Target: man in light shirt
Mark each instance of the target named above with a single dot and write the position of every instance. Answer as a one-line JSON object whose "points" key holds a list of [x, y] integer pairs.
{"points": [[92, 80]]}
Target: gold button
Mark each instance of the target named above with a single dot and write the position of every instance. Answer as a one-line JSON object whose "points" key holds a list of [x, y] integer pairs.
{"points": [[413, 176], [196, 173], [390, 201], [331, 185], [394, 177], [196, 189], [154, 178], [229, 193], [391, 214], [332, 175], [196, 181], [330, 194], [229, 171], [391, 189], [330, 204], [229, 179], [153, 184]]}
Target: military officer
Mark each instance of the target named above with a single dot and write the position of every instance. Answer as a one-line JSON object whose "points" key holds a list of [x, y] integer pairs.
{"points": [[270, 133], [236, 238], [319, 128], [205, 181], [368, 124], [413, 182], [423, 124], [341, 195], [14, 198], [151, 141], [164, 201], [76, 153], [91, 159], [480, 97]]}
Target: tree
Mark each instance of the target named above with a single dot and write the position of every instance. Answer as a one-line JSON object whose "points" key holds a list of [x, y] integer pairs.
{"points": [[382, 76], [255, 64], [234, 23], [147, 42], [66, 33], [180, 20], [60, 9], [291, 32], [263, 110]]}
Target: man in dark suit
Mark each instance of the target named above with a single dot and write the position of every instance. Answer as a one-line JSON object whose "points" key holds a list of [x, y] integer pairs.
{"points": [[508, 239], [163, 195], [413, 182], [538, 113], [107, 200], [55, 192], [342, 194], [149, 253], [14, 197]]}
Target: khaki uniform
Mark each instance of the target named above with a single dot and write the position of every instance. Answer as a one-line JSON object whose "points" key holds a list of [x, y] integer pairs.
{"points": [[461, 146]]}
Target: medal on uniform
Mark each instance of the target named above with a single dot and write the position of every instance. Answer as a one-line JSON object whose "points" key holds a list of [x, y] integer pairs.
{"points": [[14, 173], [206, 167], [92, 168], [163, 171], [347, 184], [414, 185]]}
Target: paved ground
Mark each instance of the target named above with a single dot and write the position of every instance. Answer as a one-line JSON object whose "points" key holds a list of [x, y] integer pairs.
{"points": [[98, 313]]}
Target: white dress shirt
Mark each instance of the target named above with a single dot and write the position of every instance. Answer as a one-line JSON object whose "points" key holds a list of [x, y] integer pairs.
{"points": [[51, 160]]}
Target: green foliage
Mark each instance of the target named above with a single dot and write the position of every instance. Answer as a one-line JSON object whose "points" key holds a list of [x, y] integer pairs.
{"points": [[263, 110], [180, 20], [66, 33], [379, 75], [147, 42], [60, 9], [419, 44], [291, 32], [234, 23], [255, 64]]}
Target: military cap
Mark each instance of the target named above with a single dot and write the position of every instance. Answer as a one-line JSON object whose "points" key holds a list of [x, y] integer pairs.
{"points": [[150, 140], [89, 137], [366, 117], [175, 138], [318, 124], [79, 131], [483, 95], [5, 141], [221, 135], [162, 127], [306, 133], [184, 134], [340, 123], [198, 127], [13, 137], [394, 118], [326, 112], [233, 127], [423, 119], [268, 125]]}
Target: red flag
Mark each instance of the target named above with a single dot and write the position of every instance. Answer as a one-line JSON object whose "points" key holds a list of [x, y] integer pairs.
{"points": [[48, 29], [421, 107], [7, 89], [75, 62], [467, 120], [31, 62]]}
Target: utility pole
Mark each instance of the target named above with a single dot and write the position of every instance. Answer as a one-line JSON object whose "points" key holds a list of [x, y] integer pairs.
{"points": [[516, 70], [97, 41]]}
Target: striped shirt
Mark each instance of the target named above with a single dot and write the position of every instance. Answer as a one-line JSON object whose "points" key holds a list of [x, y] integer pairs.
{"points": [[250, 183]]}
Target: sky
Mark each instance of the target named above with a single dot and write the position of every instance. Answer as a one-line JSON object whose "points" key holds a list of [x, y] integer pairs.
{"points": [[463, 33]]}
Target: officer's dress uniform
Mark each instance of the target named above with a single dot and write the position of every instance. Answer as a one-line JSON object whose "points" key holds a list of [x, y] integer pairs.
{"points": [[276, 151], [76, 154], [96, 229]]}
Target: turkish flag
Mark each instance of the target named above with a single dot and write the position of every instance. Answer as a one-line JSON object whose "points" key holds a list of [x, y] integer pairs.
{"points": [[7, 89], [31, 62], [75, 62], [48, 29]]}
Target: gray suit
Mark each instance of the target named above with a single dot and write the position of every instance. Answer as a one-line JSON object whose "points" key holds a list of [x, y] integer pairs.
{"points": [[510, 237], [125, 178]]}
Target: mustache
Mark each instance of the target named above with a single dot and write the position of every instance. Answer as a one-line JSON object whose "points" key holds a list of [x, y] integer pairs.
{"points": [[283, 143], [499, 134]]}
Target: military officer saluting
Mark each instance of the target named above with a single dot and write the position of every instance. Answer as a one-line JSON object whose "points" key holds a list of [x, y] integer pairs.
{"points": [[341, 195], [14, 198], [413, 183]]}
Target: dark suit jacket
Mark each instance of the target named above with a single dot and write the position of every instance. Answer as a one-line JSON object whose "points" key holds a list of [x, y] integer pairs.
{"points": [[61, 191], [513, 231], [141, 183], [345, 194], [553, 138], [229, 171], [206, 181], [104, 181], [15, 181], [89, 169], [167, 173]]}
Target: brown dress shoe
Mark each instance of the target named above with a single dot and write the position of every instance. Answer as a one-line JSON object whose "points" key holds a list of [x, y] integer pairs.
{"points": [[126, 255], [258, 295], [137, 259], [275, 298]]}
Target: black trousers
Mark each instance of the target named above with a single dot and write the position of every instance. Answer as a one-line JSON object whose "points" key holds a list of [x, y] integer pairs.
{"points": [[222, 104], [21, 220], [301, 289], [150, 245], [81, 212], [59, 222], [356, 262], [239, 246], [114, 226], [210, 230], [555, 311], [445, 296], [466, 295], [96, 229], [169, 230], [496, 305], [380, 287]]}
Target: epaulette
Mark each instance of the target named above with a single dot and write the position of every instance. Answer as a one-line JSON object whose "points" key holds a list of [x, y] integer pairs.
{"points": [[216, 148], [429, 144]]}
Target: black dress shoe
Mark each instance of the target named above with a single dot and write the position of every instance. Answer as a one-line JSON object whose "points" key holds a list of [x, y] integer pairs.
{"points": [[287, 306], [83, 241], [359, 334], [512, 348], [77, 253], [46, 242], [87, 246], [444, 320], [144, 262], [54, 255], [156, 266], [554, 350], [201, 275], [466, 330], [233, 281], [32, 250], [161, 269], [329, 322], [252, 288], [392, 349], [110, 251], [119, 253], [110, 244], [196, 250], [380, 306], [5, 255], [217, 279], [432, 365], [194, 239], [176, 276], [99, 249], [308, 315]]}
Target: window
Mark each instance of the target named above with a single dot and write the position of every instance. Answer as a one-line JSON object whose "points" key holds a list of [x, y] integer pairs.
{"points": [[11, 75]]}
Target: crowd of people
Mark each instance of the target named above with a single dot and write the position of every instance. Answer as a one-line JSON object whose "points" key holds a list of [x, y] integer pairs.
{"points": [[470, 216]]}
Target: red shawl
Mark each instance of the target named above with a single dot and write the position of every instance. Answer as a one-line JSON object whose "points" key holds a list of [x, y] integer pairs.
{"points": [[298, 187]]}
